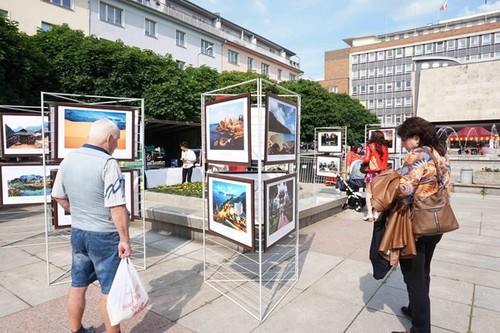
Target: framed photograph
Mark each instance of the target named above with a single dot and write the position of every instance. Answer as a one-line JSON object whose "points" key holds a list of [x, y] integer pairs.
{"points": [[227, 131], [281, 130], [73, 123], [327, 166], [23, 184], [279, 208], [389, 135], [61, 218], [391, 163], [131, 180], [329, 142], [22, 134], [231, 210]]}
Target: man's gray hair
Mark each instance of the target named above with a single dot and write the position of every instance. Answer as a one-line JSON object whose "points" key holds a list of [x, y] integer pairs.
{"points": [[100, 129]]}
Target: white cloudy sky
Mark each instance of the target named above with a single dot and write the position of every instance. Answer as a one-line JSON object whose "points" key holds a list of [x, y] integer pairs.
{"points": [[311, 27]]}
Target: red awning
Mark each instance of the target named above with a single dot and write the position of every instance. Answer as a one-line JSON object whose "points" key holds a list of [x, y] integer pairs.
{"points": [[470, 133]]}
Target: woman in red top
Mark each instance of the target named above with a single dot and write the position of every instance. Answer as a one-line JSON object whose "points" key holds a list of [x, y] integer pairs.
{"points": [[377, 155], [353, 155]]}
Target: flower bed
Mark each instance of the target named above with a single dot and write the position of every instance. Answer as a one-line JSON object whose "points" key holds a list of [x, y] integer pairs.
{"points": [[186, 189]]}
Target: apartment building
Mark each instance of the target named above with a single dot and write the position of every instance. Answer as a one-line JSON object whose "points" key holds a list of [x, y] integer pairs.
{"points": [[379, 71], [193, 35]]}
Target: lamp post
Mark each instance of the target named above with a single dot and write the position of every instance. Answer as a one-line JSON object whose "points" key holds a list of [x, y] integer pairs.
{"points": [[209, 47]]}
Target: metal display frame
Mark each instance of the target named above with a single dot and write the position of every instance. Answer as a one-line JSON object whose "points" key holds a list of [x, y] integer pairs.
{"points": [[255, 281], [61, 237]]}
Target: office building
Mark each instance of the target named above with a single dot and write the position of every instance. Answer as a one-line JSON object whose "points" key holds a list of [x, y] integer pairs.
{"points": [[192, 35], [379, 71]]}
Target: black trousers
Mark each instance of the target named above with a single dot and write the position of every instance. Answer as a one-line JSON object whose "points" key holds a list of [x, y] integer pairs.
{"points": [[186, 174], [416, 273]]}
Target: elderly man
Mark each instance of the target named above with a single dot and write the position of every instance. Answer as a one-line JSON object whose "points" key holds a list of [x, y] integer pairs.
{"points": [[89, 185]]}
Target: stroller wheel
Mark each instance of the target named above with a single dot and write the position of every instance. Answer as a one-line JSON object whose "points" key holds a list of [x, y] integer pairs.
{"points": [[358, 209]]}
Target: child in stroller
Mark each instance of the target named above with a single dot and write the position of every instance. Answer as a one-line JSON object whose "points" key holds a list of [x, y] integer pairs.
{"points": [[352, 186]]}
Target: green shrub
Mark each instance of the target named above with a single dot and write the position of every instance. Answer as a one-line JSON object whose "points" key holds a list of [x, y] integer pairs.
{"points": [[186, 189]]}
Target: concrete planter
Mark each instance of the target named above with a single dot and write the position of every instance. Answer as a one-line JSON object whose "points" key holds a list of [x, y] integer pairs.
{"points": [[487, 177], [174, 199]]}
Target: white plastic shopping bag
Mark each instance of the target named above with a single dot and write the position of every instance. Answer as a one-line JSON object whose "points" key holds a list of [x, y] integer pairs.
{"points": [[127, 296]]}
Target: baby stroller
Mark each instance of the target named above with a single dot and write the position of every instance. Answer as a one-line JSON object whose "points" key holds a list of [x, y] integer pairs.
{"points": [[352, 186]]}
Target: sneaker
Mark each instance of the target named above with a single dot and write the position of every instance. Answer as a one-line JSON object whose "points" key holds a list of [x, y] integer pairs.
{"points": [[89, 329]]}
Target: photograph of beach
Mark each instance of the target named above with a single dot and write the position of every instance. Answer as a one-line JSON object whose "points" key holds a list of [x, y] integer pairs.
{"points": [[73, 124], [227, 128], [77, 125]]}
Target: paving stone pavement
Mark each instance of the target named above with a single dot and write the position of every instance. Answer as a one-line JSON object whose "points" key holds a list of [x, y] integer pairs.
{"points": [[335, 291]]}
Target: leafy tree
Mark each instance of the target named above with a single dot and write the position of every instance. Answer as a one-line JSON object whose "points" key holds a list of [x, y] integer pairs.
{"points": [[319, 108], [23, 66]]}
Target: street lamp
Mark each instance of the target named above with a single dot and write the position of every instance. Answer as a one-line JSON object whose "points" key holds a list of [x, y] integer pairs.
{"points": [[208, 48]]}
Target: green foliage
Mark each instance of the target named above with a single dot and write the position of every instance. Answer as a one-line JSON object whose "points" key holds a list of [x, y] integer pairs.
{"points": [[23, 66], [186, 189], [74, 63]]}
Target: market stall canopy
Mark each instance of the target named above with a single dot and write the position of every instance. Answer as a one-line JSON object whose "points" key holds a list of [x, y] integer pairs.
{"points": [[470, 133]]}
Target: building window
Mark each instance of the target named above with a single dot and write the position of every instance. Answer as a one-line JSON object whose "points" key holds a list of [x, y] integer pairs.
{"points": [[371, 72], [371, 104], [46, 26], [371, 56], [497, 37], [362, 89], [390, 54], [407, 101], [409, 51], [355, 74], [354, 59], [462, 43], [388, 102], [399, 52], [292, 77], [380, 71], [181, 64], [398, 101], [279, 74], [362, 73], [474, 41], [233, 57], [334, 89], [250, 63], [419, 50], [399, 69], [389, 70], [110, 14], [408, 68], [380, 103], [399, 86], [486, 39], [150, 28], [264, 69], [180, 38], [362, 58], [439, 46], [207, 48], [62, 3], [380, 55], [354, 90], [407, 85], [428, 48], [380, 87], [388, 87], [371, 88], [450, 44]]}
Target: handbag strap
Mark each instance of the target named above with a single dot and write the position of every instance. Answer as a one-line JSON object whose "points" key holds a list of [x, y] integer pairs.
{"points": [[438, 174]]}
